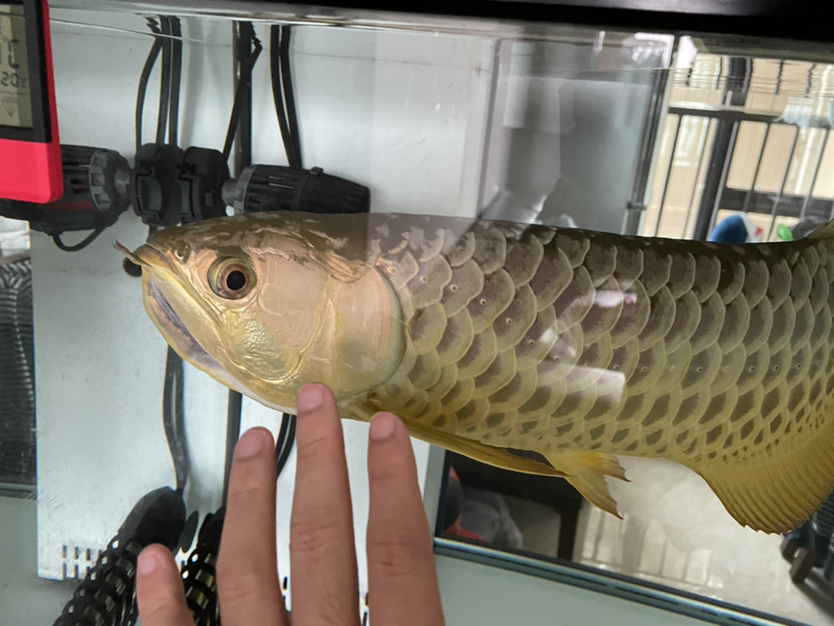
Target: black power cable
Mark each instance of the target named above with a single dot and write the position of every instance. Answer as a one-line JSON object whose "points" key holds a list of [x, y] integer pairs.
{"points": [[284, 98], [164, 82], [234, 410], [167, 43], [243, 85], [199, 572], [285, 441], [282, 92], [167, 34], [175, 28], [78, 246], [289, 95], [247, 49], [173, 416], [144, 77]]}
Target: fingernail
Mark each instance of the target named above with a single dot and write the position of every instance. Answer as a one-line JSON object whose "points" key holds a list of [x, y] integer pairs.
{"points": [[310, 397], [147, 563], [382, 426], [252, 442]]}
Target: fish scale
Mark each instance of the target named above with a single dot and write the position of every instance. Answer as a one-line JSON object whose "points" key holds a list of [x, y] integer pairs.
{"points": [[708, 340], [577, 346]]}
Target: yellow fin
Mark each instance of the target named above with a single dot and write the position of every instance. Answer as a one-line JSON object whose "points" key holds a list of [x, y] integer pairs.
{"points": [[779, 493], [490, 455], [586, 471]]}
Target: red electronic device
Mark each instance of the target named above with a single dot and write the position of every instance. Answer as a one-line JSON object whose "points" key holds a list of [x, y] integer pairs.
{"points": [[30, 150]]}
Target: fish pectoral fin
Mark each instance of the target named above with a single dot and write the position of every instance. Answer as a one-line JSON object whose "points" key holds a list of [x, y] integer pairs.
{"points": [[586, 471], [491, 455]]}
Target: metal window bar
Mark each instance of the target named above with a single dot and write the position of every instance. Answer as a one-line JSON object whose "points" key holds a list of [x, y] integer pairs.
{"points": [[778, 199], [749, 193], [748, 200], [817, 168], [668, 174], [702, 157], [722, 181]]}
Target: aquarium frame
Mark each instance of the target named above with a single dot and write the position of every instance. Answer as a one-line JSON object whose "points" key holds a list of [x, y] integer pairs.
{"points": [[773, 19], [769, 18], [613, 584], [776, 19]]}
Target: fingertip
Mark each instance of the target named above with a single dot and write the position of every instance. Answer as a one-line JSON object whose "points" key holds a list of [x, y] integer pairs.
{"points": [[383, 426], [390, 454], [252, 442], [159, 590], [149, 560], [310, 397]]}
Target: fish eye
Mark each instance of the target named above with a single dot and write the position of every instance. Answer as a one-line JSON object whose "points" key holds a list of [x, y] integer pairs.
{"points": [[231, 278], [235, 280]]}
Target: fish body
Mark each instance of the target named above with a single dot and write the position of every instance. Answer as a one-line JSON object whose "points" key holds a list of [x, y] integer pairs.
{"points": [[490, 338]]}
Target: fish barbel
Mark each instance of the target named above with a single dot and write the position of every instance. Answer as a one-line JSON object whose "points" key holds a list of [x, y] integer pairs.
{"points": [[489, 338]]}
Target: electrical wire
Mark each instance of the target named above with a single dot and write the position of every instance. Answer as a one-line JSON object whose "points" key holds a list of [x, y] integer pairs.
{"points": [[164, 83], [243, 83], [156, 48], [80, 245], [173, 416], [144, 77], [245, 60], [164, 44], [233, 415], [284, 98], [278, 95], [281, 79], [173, 404], [282, 90], [289, 96], [176, 80], [284, 443], [167, 43]]}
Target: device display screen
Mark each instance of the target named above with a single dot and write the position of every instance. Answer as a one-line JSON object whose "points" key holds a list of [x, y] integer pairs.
{"points": [[15, 94]]}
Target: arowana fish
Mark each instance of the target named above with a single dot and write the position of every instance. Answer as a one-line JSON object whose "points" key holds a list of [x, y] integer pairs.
{"points": [[490, 338]]}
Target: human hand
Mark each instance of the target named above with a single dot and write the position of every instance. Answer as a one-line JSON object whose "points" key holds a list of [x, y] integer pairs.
{"points": [[402, 578]]}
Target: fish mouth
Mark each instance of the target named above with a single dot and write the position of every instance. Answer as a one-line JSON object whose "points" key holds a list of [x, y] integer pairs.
{"points": [[162, 312], [175, 328], [157, 270]]}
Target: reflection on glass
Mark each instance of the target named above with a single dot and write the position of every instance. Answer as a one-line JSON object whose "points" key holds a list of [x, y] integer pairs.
{"points": [[525, 343]]}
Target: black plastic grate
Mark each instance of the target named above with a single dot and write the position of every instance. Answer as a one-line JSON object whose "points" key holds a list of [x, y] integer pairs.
{"points": [[17, 374]]}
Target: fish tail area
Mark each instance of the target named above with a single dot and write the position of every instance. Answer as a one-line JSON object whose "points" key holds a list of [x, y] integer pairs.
{"points": [[781, 492], [586, 471]]}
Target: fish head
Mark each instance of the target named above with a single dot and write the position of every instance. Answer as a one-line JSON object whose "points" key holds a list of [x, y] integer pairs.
{"points": [[259, 311]]}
